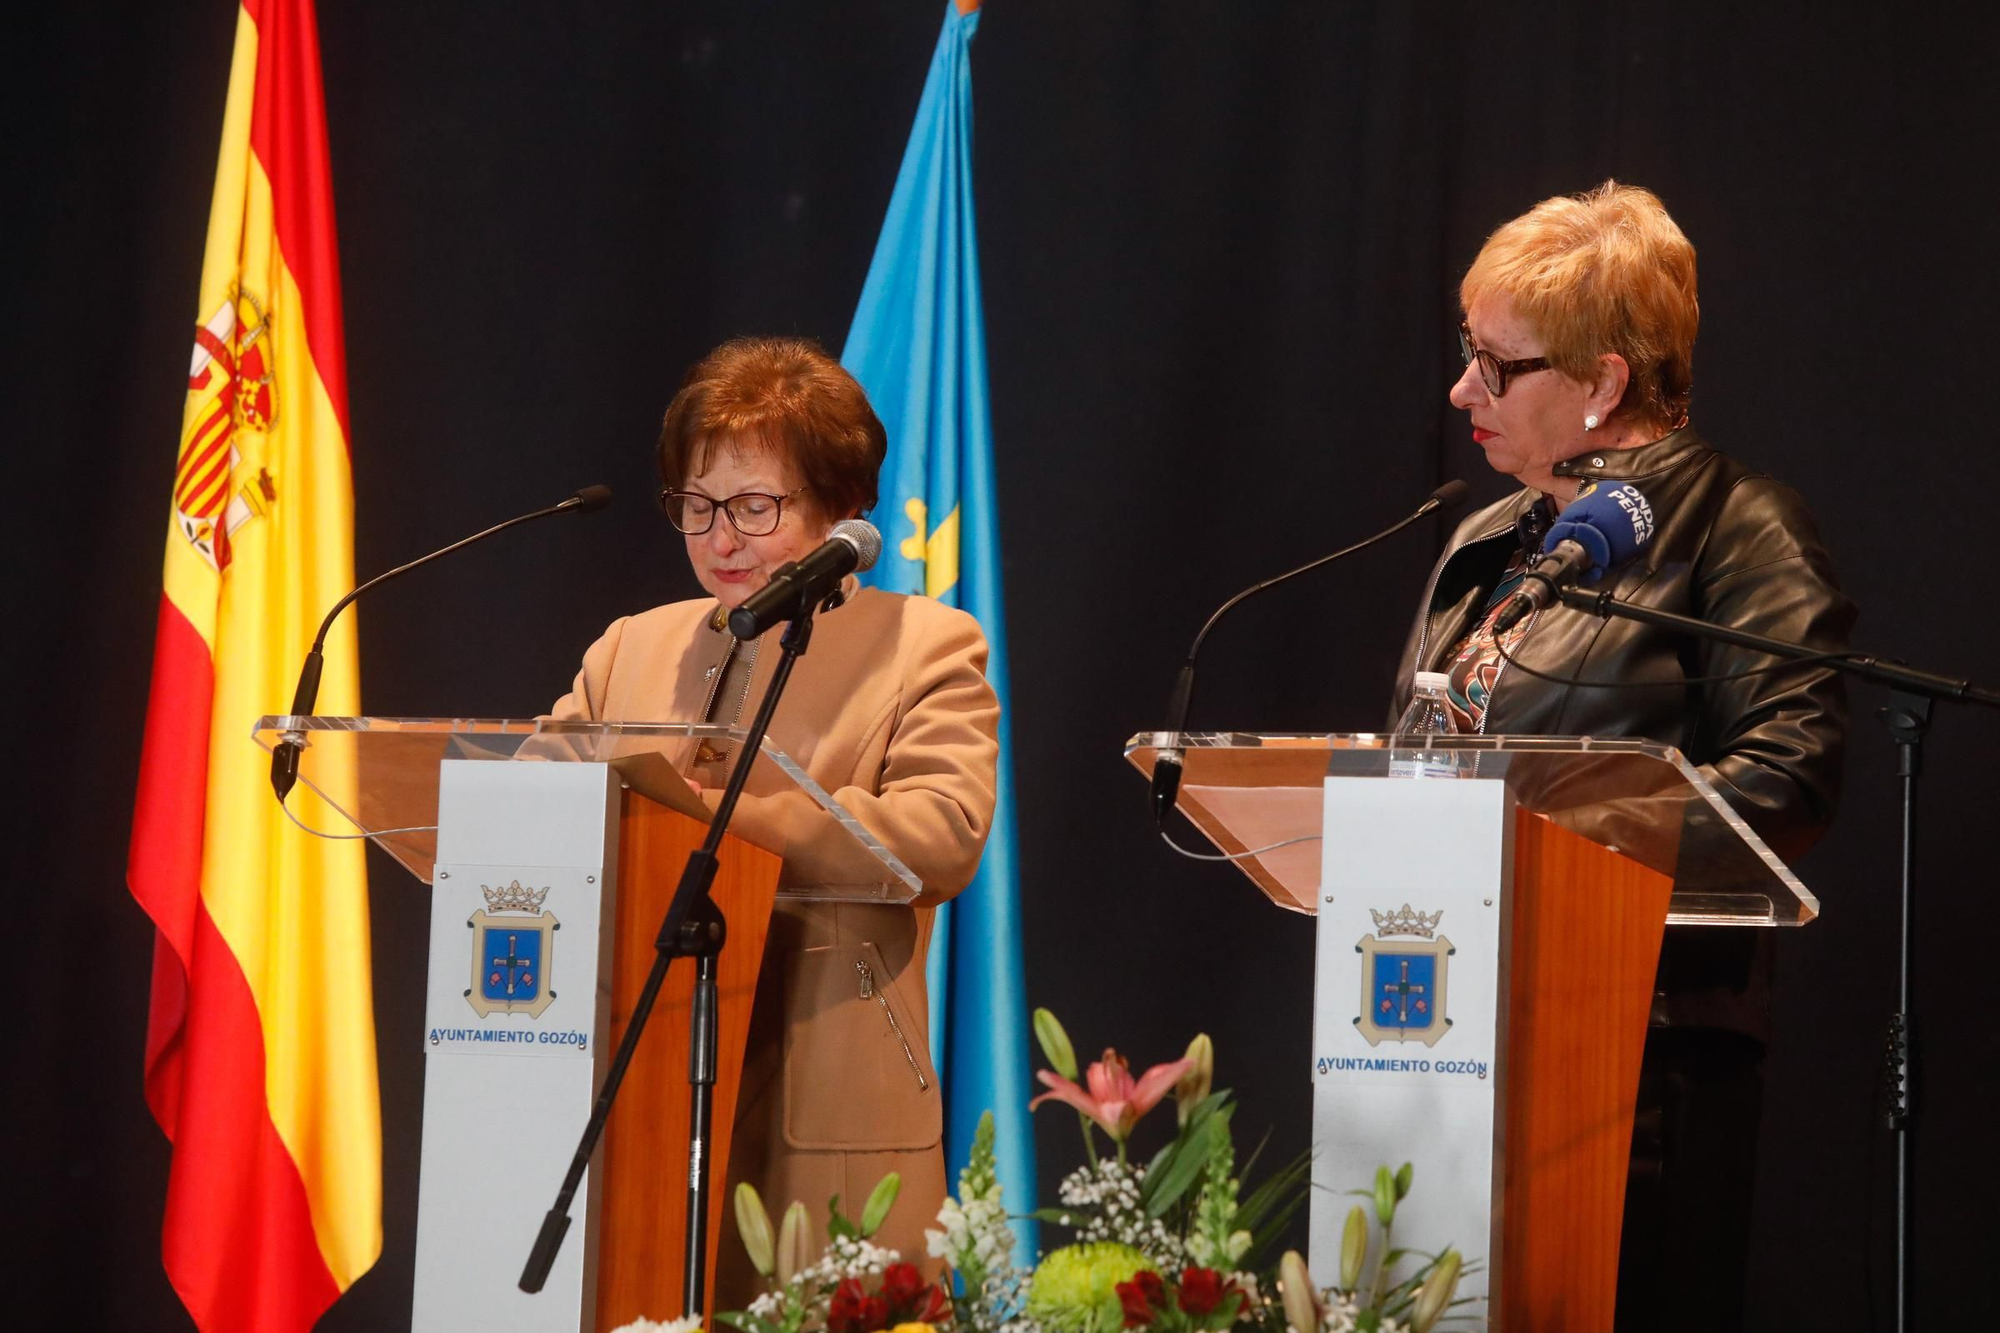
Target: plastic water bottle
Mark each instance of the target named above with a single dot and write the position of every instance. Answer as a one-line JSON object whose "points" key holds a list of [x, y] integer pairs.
{"points": [[1409, 756]]}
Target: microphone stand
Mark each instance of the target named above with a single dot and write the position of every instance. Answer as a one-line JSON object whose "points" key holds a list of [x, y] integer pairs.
{"points": [[1167, 764], [285, 757], [692, 928], [1908, 716]]}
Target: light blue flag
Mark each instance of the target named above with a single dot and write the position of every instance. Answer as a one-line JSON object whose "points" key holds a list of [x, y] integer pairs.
{"points": [[918, 346]]}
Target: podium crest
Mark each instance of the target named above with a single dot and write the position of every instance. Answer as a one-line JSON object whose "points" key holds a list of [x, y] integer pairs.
{"points": [[1405, 964], [513, 948]]}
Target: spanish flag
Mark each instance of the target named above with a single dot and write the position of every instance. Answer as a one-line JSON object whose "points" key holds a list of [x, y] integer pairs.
{"points": [[260, 1050]]}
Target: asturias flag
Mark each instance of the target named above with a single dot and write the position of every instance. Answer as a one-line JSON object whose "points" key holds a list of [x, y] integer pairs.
{"points": [[260, 1051], [918, 346]]}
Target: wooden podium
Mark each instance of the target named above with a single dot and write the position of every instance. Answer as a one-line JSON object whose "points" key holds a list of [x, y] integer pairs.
{"points": [[1486, 960], [553, 850]]}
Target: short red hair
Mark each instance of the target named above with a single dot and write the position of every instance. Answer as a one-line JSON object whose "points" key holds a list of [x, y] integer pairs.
{"points": [[1602, 271], [787, 396]]}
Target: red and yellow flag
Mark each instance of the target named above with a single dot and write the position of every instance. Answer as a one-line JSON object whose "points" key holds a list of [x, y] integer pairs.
{"points": [[260, 1052]]}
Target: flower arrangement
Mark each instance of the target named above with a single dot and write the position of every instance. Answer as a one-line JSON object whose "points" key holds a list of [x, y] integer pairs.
{"points": [[1173, 1243]]}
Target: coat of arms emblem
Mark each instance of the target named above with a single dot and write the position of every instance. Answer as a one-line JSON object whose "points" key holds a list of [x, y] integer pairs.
{"points": [[220, 481], [513, 947], [1404, 966]]}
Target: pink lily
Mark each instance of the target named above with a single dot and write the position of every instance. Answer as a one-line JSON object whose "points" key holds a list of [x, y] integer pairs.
{"points": [[1115, 1100]]}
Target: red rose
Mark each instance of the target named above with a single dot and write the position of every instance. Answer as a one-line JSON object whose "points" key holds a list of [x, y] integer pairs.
{"points": [[1202, 1289], [1138, 1314], [901, 1284], [846, 1313], [1140, 1297]]}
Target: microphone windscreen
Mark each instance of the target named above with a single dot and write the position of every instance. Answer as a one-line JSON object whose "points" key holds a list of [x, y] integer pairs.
{"points": [[864, 537], [592, 498], [1609, 523], [1452, 494]]}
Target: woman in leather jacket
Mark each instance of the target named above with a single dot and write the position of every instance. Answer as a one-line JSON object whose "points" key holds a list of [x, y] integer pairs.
{"points": [[1578, 337]]}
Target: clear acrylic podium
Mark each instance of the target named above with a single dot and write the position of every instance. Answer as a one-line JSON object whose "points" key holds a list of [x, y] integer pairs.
{"points": [[553, 849], [382, 773], [1484, 974]]}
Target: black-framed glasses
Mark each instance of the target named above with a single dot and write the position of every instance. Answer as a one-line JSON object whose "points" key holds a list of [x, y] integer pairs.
{"points": [[1493, 372], [753, 513]]}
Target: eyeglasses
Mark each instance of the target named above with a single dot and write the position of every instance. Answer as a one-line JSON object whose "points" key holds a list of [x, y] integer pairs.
{"points": [[1494, 372], [753, 513]]}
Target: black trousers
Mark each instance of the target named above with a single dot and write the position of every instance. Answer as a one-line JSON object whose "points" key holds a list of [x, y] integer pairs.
{"points": [[1683, 1257]]}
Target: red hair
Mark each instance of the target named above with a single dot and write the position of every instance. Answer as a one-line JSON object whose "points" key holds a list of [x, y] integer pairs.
{"points": [[787, 396]]}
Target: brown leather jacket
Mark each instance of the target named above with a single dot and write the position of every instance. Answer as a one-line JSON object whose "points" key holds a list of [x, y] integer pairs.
{"points": [[1731, 546]]}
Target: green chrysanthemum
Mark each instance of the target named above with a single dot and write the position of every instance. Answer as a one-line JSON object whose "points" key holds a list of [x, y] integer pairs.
{"points": [[1075, 1288]]}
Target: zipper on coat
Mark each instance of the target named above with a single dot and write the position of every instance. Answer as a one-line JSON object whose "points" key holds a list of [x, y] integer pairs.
{"points": [[715, 675], [1430, 591], [869, 992], [720, 750], [749, 674]]}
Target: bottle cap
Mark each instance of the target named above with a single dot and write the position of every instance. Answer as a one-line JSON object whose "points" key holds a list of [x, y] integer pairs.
{"points": [[1432, 680]]}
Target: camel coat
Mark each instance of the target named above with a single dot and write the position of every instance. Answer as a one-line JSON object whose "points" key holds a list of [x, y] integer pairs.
{"points": [[889, 710]]}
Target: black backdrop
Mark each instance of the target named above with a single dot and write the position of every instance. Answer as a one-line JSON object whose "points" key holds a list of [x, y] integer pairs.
{"points": [[1220, 244]]}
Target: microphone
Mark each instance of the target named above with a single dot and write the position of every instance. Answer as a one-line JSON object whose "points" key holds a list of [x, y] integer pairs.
{"points": [[852, 545], [1600, 529], [1167, 766], [285, 759]]}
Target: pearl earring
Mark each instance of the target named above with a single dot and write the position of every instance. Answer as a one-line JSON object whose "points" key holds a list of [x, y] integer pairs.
{"points": [[1590, 422]]}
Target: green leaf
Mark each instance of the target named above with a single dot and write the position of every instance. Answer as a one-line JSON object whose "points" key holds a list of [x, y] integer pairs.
{"points": [[1270, 1210], [837, 1224], [1211, 1105], [880, 1201], [1256, 1155], [1291, 1180], [1176, 1170], [1269, 1236], [1062, 1217]]}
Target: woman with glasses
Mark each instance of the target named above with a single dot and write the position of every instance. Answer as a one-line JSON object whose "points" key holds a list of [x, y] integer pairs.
{"points": [[1578, 339], [767, 445]]}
